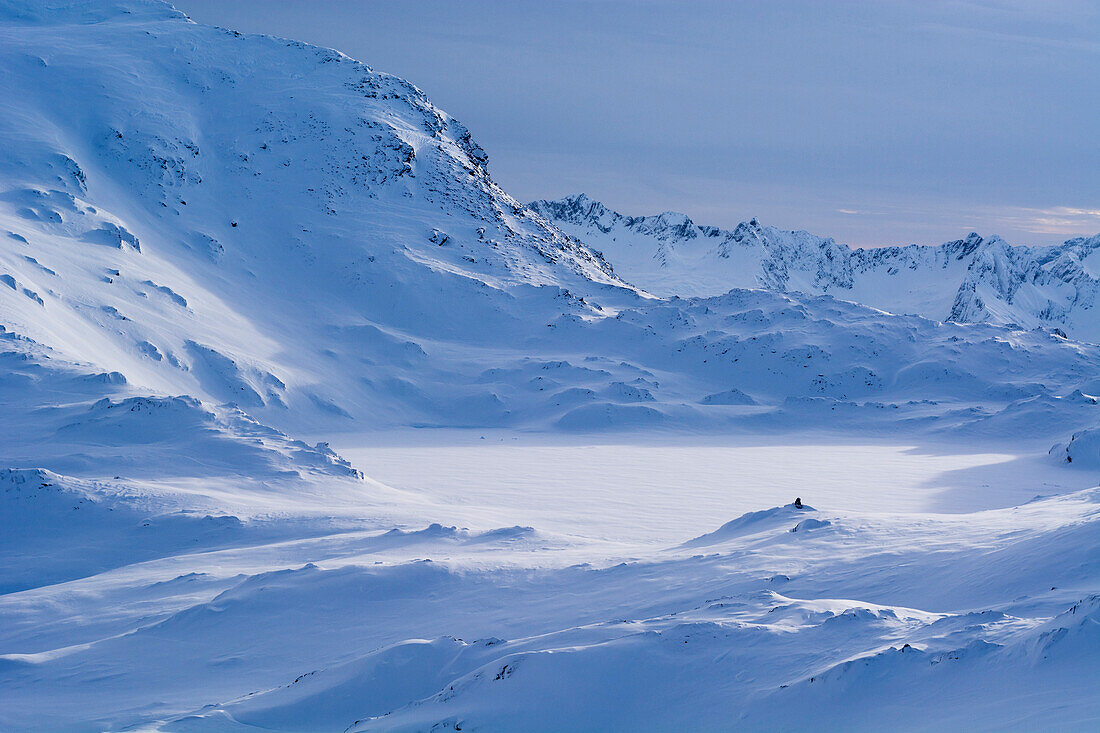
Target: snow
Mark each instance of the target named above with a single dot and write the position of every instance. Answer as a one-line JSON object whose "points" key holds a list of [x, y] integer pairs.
{"points": [[974, 279], [637, 489], [417, 628], [1082, 450], [307, 425]]}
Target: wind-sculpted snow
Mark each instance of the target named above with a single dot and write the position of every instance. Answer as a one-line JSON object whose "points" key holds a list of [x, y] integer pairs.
{"points": [[771, 629], [1082, 449], [754, 522], [211, 243], [283, 229], [94, 424], [269, 193], [971, 280]]}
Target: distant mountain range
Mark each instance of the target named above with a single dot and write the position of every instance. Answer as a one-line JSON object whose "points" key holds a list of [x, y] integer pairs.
{"points": [[970, 280]]}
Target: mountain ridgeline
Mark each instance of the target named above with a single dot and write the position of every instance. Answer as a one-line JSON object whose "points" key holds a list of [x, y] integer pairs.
{"points": [[262, 224], [971, 280]]}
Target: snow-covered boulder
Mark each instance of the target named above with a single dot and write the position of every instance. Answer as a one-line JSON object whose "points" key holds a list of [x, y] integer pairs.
{"points": [[1082, 450]]}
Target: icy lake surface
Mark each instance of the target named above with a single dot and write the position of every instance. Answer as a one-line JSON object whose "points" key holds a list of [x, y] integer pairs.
{"points": [[642, 488]]}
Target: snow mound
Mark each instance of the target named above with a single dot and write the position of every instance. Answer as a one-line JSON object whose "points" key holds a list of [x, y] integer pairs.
{"points": [[732, 396], [139, 435], [1033, 671], [1082, 450], [101, 426], [810, 524], [1073, 634], [755, 522], [333, 698], [607, 416], [56, 518]]}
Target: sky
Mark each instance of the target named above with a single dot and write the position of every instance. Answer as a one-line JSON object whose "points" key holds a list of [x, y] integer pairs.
{"points": [[886, 122]]}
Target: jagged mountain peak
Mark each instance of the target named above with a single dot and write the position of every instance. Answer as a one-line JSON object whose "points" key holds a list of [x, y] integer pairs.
{"points": [[978, 278], [971, 243], [581, 209]]}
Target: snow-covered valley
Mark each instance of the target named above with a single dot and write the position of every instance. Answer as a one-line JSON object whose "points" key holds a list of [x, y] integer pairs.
{"points": [[308, 425]]}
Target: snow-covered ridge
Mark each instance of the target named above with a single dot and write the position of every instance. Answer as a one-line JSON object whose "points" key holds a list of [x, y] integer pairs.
{"points": [[254, 221], [181, 204], [974, 279], [213, 243]]}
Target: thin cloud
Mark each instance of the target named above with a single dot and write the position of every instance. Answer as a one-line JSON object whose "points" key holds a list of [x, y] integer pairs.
{"points": [[1060, 220]]}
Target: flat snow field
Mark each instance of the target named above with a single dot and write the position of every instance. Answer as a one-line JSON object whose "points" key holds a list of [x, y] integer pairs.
{"points": [[642, 488]]}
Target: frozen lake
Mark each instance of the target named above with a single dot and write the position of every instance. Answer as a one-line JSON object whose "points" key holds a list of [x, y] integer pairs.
{"points": [[669, 491]]}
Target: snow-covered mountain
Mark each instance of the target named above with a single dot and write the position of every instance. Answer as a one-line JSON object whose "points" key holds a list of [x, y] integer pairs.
{"points": [[249, 219], [971, 280], [213, 244], [255, 221]]}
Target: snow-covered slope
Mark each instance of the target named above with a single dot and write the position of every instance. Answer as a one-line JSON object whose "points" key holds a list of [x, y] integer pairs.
{"points": [[249, 220], [971, 280], [242, 218], [213, 243], [784, 619]]}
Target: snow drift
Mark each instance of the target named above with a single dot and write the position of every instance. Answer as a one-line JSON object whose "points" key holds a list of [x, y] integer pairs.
{"points": [[211, 243]]}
